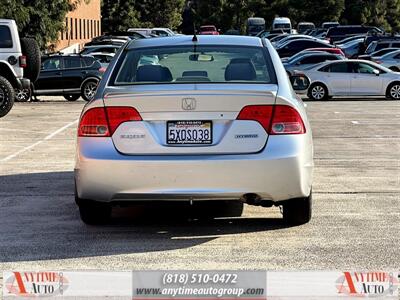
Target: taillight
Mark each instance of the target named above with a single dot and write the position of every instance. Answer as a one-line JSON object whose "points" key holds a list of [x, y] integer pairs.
{"points": [[22, 61], [286, 120], [120, 114], [378, 61], [102, 122], [278, 119], [260, 113], [102, 69]]}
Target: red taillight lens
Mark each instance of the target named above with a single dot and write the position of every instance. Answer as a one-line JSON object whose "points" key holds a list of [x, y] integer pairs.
{"points": [[120, 114], [278, 119], [94, 123], [286, 120], [260, 113], [102, 122], [102, 69], [22, 61]]}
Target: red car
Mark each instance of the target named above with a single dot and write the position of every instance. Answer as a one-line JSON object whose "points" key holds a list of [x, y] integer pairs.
{"points": [[329, 50], [208, 29]]}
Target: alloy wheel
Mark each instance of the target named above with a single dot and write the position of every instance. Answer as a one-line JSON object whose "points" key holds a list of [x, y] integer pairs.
{"points": [[395, 91], [22, 95], [318, 92], [90, 90]]}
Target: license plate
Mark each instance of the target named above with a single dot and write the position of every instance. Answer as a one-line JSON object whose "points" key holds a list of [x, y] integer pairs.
{"points": [[189, 132]]}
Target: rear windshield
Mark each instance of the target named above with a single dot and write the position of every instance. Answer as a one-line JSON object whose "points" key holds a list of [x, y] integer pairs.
{"points": [[189, 64], [5, 37]]}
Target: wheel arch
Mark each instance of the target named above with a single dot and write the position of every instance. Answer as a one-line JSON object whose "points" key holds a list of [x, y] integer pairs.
{"points": [[389, 84], [8, 73], [91, 78]]}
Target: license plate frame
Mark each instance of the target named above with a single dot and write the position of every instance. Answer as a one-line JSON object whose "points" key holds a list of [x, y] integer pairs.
{"points": [[193, 125]]}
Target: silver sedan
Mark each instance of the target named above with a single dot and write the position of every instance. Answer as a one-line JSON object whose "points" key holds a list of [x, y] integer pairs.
{"points": [[215, 121], [352, 77]]}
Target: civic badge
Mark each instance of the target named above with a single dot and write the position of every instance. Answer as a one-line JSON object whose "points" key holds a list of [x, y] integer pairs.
{"points": [[188, 103]]}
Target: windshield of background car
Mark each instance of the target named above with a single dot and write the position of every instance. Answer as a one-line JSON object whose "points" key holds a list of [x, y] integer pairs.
{"points": [[282, 25], [201, 64]]}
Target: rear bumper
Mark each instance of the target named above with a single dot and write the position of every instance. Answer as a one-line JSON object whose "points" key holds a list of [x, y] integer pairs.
{"points": [[283, 170]]}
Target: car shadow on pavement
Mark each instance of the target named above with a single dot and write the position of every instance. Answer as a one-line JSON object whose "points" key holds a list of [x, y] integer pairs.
{"points": [[40, 221]]}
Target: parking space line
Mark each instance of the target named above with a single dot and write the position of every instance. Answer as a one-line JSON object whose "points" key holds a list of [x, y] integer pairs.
{"points": [[51, 135], [355, 122]]}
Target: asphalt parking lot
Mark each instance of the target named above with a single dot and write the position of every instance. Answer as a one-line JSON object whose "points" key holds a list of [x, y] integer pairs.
{"points": [[356, 221]]}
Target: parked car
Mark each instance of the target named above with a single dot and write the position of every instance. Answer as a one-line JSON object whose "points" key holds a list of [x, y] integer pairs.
{"points": [[282, 23], [292, 37], [19, 65], [277, 38], [255, 25], [70, 76], [208, 30], [147, 32], [292, 47], [353, 48], [144, 133], [377, 54], [308, 59], [341, 32], [381, 44], [389, 60], [163, 32], [327, 25], [87, 50], [103, 58], [336, 51], [108, 40], [302, 27], [349, 39], [352, 78], [317, 31]]}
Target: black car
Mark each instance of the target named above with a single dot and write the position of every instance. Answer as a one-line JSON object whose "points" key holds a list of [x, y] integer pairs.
{"points": [[71, 76], [338, 33], [294, 46]]}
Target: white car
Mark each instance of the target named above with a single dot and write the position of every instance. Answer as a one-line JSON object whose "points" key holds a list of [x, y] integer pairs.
{"points": [[352, 78], [390, 60]]}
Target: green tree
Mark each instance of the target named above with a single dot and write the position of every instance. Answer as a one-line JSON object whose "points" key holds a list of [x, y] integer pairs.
{"points": [[40, 19]]}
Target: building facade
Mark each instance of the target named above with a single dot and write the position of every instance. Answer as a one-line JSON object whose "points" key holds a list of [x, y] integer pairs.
{"points": [[81, 25]]}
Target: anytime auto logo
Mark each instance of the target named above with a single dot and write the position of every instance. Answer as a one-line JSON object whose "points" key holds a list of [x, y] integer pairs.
{"points": [[35, 284], [367, 284]]}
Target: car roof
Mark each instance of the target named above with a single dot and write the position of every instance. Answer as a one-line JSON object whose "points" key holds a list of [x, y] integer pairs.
{"points": [[108, 46], [187, 40]]}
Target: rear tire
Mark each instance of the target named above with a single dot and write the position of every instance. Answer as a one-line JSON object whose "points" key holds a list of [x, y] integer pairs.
{"points": [[393, 91], [7, 96], [30, 49], [318, 91], [72, 97], [298, 211]]}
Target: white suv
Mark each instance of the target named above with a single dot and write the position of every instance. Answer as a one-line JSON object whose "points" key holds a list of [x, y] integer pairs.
{"points": [[19, 64]]}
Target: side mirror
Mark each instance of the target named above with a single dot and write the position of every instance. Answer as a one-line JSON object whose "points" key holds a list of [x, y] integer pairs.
{"points": [[300, 82], [376, 72]]}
